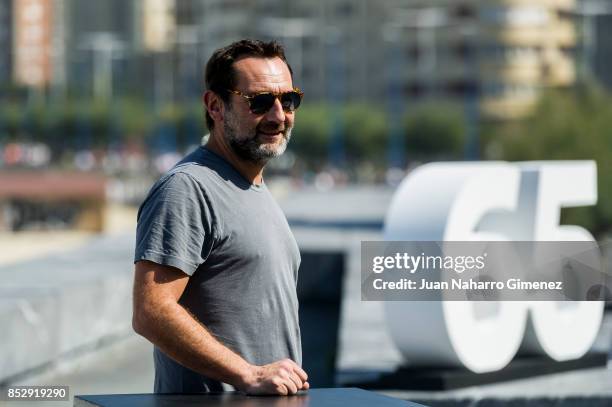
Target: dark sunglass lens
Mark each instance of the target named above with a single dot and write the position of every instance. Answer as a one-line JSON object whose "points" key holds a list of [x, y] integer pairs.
{"points": [[291, 100], [262, 103]]}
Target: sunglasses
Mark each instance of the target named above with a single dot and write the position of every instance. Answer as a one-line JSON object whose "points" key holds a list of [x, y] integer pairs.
{"points": [[262, 102]]}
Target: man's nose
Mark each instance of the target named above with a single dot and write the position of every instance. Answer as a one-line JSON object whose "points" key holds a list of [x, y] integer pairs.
{"points": [[276, 113]]}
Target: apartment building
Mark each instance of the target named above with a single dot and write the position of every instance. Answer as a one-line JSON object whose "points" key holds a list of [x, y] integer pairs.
{"points": [[502, 52], [5, 41], [498, 53]]}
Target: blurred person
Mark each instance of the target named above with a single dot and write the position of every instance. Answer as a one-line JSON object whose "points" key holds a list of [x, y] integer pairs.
{"points": [[215, 262]]}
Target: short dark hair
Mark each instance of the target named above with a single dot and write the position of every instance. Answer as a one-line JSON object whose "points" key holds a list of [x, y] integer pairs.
{"points": [[220, 73]]}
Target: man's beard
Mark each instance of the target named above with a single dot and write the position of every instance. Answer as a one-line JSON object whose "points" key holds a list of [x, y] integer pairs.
{"points": [[249, 147]]}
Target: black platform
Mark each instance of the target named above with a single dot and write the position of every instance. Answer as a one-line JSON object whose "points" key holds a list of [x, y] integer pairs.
{"points": [[311, 398], [454, 378]]}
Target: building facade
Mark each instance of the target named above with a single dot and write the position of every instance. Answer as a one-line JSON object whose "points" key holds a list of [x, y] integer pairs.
{"points": [[6, 41], [504, 52], [499, 54]]}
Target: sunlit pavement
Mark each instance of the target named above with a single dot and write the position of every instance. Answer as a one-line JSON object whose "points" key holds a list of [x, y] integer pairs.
{"points": [[123, 367]]}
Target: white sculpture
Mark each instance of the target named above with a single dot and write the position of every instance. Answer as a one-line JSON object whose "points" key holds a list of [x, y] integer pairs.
{"points": [[491, 201]]}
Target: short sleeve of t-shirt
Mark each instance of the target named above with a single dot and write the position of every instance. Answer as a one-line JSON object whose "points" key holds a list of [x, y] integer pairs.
{"points": [[175, 224]]}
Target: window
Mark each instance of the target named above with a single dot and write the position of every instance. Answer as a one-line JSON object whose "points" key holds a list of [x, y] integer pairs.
{"points": [[344, 9], [463, 50], [464, 11]]}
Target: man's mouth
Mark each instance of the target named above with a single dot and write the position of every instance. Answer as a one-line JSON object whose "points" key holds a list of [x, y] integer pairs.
{"points": [[268, 134]]}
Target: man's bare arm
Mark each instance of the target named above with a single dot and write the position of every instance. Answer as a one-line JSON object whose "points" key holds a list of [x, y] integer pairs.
{"points": [[162, 320]]}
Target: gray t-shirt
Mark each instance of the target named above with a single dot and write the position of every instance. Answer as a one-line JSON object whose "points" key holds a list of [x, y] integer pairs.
{"points": [[233, 240]]}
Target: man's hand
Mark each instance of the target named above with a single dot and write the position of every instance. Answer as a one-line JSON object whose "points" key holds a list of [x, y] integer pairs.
{"points": [[284, 377]]}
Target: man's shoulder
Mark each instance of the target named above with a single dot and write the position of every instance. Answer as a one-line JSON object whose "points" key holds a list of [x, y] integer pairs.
{"points": [[196, 168], [204, 166], [194, 163], [189, 182]]}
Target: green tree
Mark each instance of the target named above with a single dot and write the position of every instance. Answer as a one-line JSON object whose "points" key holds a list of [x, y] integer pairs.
{"points": [[310, 134], [365, 134], [434, 132], [566, 125]]}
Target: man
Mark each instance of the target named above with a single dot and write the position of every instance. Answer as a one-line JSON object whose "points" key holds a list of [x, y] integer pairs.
{"points": [[216, 263]]}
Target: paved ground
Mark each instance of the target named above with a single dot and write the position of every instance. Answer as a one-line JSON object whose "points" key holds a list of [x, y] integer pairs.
{"points": [[123, 367], [29, 245], [582, 383]]}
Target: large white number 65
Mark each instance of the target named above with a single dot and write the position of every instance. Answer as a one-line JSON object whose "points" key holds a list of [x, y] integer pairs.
{"points": [[490, 201]]}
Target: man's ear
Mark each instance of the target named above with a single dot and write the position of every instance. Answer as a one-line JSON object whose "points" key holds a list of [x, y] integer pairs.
{"points": [[214, 105]]}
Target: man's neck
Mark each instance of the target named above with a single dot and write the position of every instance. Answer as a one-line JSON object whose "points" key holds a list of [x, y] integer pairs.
{"points": [[250, 171]]}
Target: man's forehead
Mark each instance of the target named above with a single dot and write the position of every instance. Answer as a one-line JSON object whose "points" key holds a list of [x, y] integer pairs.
{"points": [[262, 73]]}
